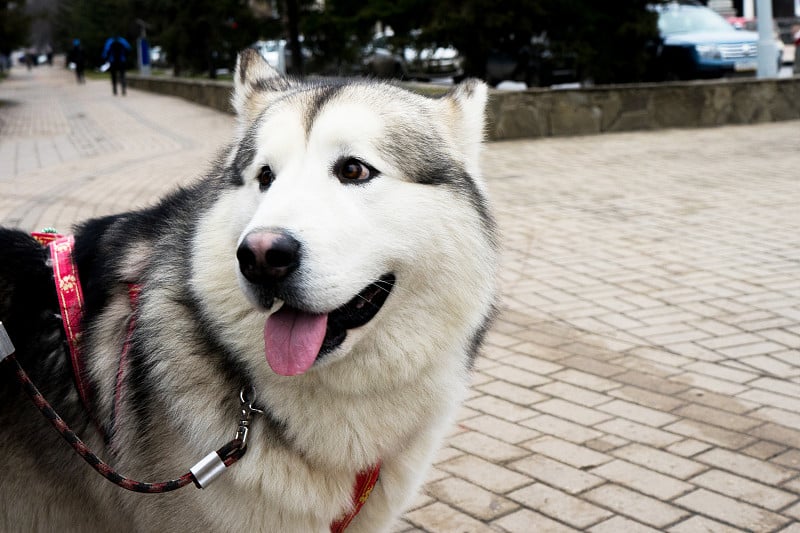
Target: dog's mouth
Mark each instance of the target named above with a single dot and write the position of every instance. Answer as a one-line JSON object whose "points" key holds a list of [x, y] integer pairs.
{"points": [[295, 339]]}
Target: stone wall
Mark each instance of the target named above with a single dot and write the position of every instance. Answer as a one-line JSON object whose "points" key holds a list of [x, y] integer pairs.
{"points": [[547, 113], [544, 113]]}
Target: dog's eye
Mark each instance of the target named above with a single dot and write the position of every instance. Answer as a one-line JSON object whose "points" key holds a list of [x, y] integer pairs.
{"points": [[352, 170], [265, 177]]}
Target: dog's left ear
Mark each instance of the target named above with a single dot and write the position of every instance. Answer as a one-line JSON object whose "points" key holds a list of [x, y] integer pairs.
{"points": [[466, 104], [255, 82]]}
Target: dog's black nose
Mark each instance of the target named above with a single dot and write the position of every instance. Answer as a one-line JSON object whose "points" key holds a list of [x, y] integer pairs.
{"points": [[268, 256]]}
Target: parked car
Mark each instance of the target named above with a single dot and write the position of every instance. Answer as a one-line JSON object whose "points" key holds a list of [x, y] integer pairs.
{"points": [[158, 56], [388, 56], [537, 62], [278, 54], [697, 42]]}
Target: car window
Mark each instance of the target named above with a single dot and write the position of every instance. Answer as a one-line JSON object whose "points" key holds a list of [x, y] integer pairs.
{"points": [[690, 19]]}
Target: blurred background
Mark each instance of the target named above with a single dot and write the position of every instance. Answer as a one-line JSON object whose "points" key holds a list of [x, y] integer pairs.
{"points": [[531, 42]]}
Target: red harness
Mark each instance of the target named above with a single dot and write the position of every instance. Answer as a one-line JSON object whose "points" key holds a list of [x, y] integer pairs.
{"points": [[70, 300]]}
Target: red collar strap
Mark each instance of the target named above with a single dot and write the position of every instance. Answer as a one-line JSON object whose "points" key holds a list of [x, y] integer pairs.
{"points": [[365, 482], [70, 300]]}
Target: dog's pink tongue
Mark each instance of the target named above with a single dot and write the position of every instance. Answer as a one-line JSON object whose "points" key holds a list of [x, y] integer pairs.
{"points": [[292, 340]]}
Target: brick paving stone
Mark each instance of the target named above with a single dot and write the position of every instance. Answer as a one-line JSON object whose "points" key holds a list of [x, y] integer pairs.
{"points": [[778, 416], [790, 458], [567, 452], [651, 383], [637, 413], [731, 511], [572, 411], [660, 461], [743, 489], [736, 404], [618, 524], [606, 443], [779, 434], [486, 447], [642, 479], [470, 498], [712, 434], [777, 386], [512, 393], [501, 429], [756, 348], [441, 518], [773, 364], [559, 505], [593, 366], [638, 432], [793, 511], [642, 508], [585, 380], [527, 521], [558, 427], [701, 524], [786, 338], [514, 375], [532, 364], [743, 465], [653, 400], [763, 450], [572, 393], [708, 382], [718, 417], [556, 474], [495, 478], [500, 408]]}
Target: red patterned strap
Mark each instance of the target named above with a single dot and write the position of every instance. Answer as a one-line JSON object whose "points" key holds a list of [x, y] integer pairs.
{"points": [[365, 482], [70, 300]]}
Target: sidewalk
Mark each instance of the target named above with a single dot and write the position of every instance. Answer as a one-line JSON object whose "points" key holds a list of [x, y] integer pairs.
{"points": [[644, 371]]}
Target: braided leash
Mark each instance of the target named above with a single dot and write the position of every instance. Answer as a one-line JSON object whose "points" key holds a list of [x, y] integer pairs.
{"points": [[201, 474]]}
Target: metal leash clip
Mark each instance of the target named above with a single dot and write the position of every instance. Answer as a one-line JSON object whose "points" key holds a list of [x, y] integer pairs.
{"points": [[246, 399], [6, 346]]}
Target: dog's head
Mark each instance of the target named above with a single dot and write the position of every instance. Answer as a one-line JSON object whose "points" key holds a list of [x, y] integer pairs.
{"points": [[355, 205]]}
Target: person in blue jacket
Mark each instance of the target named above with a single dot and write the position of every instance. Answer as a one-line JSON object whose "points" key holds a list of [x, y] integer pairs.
{"points": [[115, 53]]}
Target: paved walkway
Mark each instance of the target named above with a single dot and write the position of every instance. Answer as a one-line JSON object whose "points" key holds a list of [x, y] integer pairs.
{"points": [[644, 373]]}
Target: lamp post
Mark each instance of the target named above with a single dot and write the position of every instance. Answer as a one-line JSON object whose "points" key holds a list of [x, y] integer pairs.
{"points": [[143, 48], [767, 56]]}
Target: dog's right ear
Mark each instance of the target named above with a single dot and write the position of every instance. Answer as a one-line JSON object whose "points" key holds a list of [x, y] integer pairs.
{"points": [[255, 83]]}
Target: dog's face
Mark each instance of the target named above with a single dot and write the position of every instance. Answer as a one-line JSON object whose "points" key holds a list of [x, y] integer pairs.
{"points": [[353, 201]]}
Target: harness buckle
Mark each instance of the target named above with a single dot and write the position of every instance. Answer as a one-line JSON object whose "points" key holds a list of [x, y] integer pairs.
{"points": [[6, 346]]}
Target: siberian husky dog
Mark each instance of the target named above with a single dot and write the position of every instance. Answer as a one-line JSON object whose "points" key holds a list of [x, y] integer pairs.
{"points": [[337, 262]]}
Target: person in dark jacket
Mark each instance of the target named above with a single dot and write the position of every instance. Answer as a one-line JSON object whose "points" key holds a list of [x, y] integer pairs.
{"points": [[115, 53], [77, 57]]}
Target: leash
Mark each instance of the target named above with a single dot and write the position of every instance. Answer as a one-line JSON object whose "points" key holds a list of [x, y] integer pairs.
{"points": [[70, 298], [202, 474]]}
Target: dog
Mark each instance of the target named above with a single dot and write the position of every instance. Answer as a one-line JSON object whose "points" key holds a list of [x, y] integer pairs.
{"points": [[337, 262]]}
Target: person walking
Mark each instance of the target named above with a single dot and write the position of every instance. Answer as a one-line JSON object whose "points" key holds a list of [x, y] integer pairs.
{"points": [[77, 57], [115, 53]]}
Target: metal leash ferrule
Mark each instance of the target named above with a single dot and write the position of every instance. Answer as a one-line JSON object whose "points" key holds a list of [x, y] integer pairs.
{"points": [[212, 466], [6, 346]]}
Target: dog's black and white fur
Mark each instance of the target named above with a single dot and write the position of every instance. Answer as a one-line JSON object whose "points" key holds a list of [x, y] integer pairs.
{"points": [[339, 258]]}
